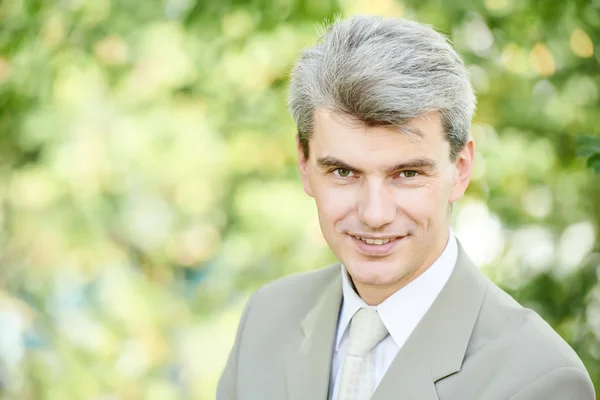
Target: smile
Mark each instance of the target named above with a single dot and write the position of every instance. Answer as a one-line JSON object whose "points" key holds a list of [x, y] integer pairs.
{"points": [[379, 247], [375, 241]]}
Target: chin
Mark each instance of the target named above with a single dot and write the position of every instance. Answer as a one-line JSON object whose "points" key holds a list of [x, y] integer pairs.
{"points": [[374, 273]]}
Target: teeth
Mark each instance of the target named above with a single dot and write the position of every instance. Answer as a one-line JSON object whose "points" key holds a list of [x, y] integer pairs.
{"points": [[375, 241]]}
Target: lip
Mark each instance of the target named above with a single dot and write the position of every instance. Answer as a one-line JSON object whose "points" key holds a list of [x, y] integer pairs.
{"points": [[376, 249]]}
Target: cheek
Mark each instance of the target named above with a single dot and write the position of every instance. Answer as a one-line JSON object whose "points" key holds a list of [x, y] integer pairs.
{"points": [[334, 203], [423, 203]]}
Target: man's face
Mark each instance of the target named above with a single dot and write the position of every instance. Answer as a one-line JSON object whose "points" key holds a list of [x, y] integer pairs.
{"points": [[382, 196]]}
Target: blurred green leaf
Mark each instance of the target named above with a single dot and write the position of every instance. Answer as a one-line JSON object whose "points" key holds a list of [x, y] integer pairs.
{"points": [[588, 146], [594, 162]]}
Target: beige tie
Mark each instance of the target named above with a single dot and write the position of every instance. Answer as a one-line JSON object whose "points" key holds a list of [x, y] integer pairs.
{"points": [[358, 377]]}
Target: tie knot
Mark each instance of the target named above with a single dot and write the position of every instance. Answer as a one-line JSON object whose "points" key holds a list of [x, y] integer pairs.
{"points": [[366, 330]]}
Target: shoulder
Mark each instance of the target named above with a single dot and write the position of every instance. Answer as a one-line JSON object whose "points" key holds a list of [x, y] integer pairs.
{"points": [[298, 285], [506, 325], [558, 383], [294, 293], [523, 350]]}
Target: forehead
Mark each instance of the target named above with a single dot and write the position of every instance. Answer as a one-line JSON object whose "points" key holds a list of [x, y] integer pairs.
{"points": [[344, 137]]}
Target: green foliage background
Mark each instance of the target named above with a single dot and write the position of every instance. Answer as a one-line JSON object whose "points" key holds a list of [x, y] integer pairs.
{"points": [[148, 179]]}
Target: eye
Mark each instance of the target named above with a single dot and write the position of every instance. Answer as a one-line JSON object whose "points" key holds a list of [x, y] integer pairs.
{"points": [[409, 174], [342, 172]]}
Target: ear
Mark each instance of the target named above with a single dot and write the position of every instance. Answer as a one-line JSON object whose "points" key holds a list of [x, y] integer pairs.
{"points": [[463, 168], [303, 166]]}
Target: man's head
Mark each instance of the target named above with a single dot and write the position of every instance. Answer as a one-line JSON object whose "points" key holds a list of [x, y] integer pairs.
{"points": [[383, 109]]}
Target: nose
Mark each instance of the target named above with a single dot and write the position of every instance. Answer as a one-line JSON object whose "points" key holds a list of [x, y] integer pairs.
{"points": [[376, 207]]}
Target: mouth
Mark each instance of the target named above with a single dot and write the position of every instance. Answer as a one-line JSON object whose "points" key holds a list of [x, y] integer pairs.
{"points": [[376, 246], [377, 242]]}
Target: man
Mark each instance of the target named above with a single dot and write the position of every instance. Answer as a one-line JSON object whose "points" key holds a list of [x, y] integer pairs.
{"points": [[383, 109]]}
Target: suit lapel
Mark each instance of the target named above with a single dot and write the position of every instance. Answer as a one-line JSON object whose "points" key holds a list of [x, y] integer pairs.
{"points": [[437, 346], [308, 370]]}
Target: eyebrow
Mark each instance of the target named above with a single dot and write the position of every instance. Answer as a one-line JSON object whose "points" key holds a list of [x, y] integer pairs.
{"points": [[421, 163]]}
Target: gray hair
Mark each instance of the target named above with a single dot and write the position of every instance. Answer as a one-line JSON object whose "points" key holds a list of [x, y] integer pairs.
{"points": [[382, 72]]}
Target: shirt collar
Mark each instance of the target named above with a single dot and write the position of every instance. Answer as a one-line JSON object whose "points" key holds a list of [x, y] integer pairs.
{"points": [[402, 311]]}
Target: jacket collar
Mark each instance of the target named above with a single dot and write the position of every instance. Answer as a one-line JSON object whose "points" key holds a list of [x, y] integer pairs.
{"points": [[309, 368], [437, 346], [434, 350]]}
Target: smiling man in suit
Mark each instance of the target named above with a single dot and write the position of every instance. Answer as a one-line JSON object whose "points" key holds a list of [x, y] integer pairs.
{"points": [[383, 109]]}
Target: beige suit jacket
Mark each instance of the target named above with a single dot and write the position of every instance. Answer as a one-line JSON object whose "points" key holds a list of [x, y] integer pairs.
{"points": [[475, 342]]}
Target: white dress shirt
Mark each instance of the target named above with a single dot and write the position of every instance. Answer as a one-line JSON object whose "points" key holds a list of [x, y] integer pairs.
{"points": [[400, 313]]}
